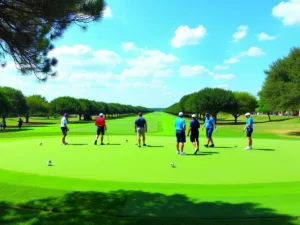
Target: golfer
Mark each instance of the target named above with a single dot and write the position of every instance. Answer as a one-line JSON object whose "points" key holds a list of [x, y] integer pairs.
{"points": [[249, 129], [180, 127], [194, 129], [140, 127], [101, 127], [64, 128], [20, 123], [209, 126]]}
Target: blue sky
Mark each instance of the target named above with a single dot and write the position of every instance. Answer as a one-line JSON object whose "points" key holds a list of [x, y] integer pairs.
{"points": [[151, 53]]}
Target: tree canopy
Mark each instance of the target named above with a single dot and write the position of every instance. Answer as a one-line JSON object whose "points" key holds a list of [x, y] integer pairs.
{"points": [[281, 90], [16, 99], [5, 104], [28, 28], [245, 103], [36, 104]]}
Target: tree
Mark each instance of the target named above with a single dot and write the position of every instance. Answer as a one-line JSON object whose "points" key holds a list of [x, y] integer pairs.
{"points": [[281, 90], [245, 103], [28, 28], [16, 100], [215, 100], [63, 105], [36, 104], [263, 108], [5, 105]]}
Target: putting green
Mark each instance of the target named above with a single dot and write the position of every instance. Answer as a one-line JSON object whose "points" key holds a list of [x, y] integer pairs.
{"points": [[273, 161]]}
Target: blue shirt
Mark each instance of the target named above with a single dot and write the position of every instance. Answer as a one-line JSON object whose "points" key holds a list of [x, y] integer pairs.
{"points": [[209, 123], [194, 125], [179, 124], [249, 121], [140, 122]]}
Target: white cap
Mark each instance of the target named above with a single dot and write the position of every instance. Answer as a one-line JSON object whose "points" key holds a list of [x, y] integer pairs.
{"points": [[101, 114], [247, 114], [180, 114], [194, 116]]}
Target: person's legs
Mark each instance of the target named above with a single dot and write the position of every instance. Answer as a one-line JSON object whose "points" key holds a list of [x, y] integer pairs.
{"points": [[144, 139], [102, 134], [182, 140], [177, 142], [249, 136], [97, 135], [138, 132]]}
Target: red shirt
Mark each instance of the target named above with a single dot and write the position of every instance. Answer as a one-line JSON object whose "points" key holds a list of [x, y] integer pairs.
{"points": [[100, 122]]}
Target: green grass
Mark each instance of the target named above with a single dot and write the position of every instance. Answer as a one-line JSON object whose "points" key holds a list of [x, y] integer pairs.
{"points": [[122, 184]]}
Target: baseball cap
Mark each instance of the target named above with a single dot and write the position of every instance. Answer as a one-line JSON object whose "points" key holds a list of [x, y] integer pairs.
{"points": [[247, 114], [66, 114], [194, 116], [180, 114], [101, 114], [206, 114]]}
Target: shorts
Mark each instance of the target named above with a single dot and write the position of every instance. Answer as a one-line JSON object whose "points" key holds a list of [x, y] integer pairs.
{"points": [[194, 137], [100, 130], [140, 131], [180, 136], [64, 131], [249, 132], [209, 132]]}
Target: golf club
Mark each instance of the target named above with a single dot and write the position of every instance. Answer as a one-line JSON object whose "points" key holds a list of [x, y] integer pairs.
{"points": [[241, 135]]}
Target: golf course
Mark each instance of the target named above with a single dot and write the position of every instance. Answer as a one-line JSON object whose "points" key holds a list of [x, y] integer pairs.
{"points": [[119, 183]]}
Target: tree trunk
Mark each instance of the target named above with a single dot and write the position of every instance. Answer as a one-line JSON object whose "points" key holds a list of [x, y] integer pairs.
{"points": [[214, 115], [235, 119], [269, 117], [80, 115], [27, 118], [3, 118]]}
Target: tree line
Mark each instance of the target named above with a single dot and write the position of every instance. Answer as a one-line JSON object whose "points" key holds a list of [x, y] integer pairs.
{"points": [[214, 101], [14, 103], [280, 93]]}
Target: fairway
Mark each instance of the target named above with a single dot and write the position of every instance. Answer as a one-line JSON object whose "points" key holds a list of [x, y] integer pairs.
{"points": [[263, 182]]}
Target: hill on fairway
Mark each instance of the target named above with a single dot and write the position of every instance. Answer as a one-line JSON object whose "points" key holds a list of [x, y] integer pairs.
{"points": [[119, 183]]}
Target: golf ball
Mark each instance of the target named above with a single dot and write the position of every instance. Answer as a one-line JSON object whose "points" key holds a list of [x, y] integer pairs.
{"points": [[41, 143], [172, 164]]}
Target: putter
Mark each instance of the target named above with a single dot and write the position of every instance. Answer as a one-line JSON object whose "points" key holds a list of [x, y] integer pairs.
{"points": [[241, 135]]}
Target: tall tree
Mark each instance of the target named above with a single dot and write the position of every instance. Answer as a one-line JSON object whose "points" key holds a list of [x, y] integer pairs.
{"points": [[36, 104], [28, 28], [264, 108], [245, 103], [16, 100], [5, 105], [63, 105], [215, 100], [281, 90]]}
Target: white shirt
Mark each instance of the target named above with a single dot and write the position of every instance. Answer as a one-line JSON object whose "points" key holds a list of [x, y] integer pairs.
{"points": [[63, 122]]}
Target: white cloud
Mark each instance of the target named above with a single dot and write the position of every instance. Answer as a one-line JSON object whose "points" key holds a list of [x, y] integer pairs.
{"points": [[191, 71], [218, 67], [128, 46], [163, 73], [288, 12], [107, 12], [231, 60], [224, 76], [223, 86], [188, 36], [240, 33], [135, 72], [154, 84], [66, 50], [253, 51], [107, 57], [265, 37]]}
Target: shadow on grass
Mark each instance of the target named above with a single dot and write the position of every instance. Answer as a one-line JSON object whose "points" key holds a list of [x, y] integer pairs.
{"points": [[221, 147], [137, 207], [77, 144], [295, 133], [264, 149], [155, 146], [112, 144]]}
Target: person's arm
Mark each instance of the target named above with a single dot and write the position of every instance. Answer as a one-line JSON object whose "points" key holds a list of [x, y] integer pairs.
{"points": [[184, 126], [66, 124], [135, 127], [105, 127], [146, 126]]}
